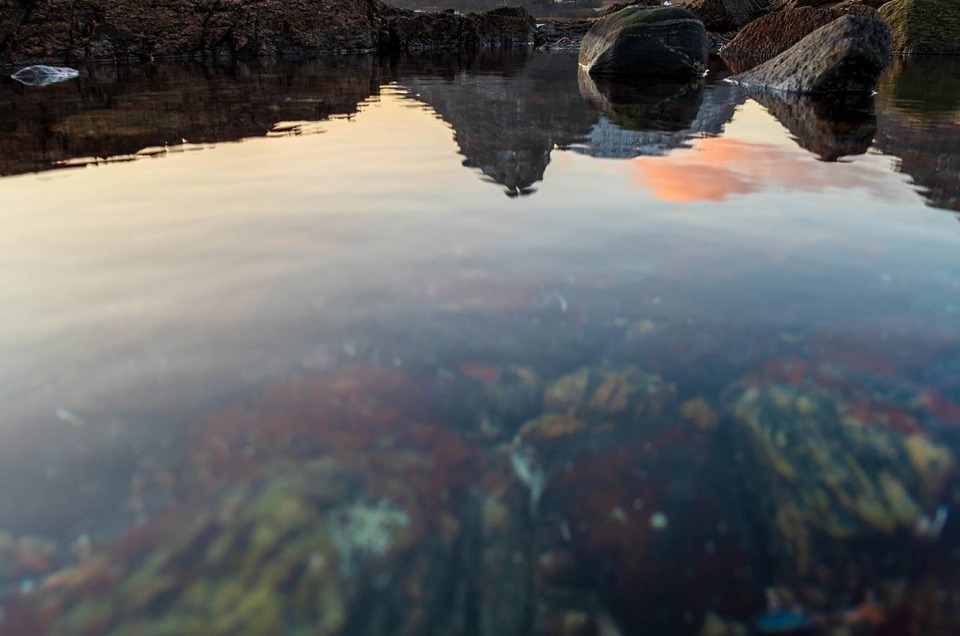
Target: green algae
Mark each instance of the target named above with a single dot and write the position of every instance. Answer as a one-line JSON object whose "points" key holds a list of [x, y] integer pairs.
{"points": [[929, 27]]}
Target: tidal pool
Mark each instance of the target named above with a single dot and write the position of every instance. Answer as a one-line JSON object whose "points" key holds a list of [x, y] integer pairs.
{"points": [[477, 346]]}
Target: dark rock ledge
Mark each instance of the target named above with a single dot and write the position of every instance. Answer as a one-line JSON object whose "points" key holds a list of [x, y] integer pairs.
{"points": [[74, 31]]}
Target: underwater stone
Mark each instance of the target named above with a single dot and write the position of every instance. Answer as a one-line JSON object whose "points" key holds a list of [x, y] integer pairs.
{"points": [[44, 75], [829, 485]]}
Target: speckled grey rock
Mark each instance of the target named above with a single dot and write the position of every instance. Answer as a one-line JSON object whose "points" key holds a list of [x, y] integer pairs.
{"points": [[646, 41], [845, 56]]}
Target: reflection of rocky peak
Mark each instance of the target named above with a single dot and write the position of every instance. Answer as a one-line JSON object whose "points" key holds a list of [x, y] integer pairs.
{"points": [[829, 128], [122, 110], [918, 121], [507, 125], [641, 120]]}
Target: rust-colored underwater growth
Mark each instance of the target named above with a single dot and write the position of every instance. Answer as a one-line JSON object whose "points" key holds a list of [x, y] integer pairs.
{"points": [[336, 414], [632, 485], [657, 538]]}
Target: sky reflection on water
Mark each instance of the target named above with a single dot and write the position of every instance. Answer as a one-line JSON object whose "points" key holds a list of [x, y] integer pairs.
{"points": [[691, 230]]}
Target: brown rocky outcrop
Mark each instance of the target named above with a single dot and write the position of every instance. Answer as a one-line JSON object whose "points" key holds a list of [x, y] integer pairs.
{"points": [[774, 33], [713, 15], [845, 56], [617, 6], [728, 15], [786, 5], [69, 31], [401, 30]]}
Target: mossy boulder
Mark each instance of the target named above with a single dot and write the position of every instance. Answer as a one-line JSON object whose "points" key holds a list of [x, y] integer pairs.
{"points": [[666, 41], [929, 27]]}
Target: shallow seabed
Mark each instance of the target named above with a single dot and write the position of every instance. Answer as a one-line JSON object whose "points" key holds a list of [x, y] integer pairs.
{"points": [[477, 346]]}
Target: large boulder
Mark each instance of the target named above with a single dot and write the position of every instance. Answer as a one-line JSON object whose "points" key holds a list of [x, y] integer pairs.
{"points": [[646, 41], [774, 33], [845, 56], [924, 26]]}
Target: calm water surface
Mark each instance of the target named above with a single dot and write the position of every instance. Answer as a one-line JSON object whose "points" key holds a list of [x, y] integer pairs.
{"points": [[477, 346]]}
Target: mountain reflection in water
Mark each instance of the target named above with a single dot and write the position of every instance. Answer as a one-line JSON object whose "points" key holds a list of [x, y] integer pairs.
{"points": [[704, 380], [509, 111]]}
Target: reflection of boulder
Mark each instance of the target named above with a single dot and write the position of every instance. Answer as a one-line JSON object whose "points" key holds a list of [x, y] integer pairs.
{"points": [[105, 114], [507, 125], [652, 119], [667, 106], [918, 121], [829, 128]]}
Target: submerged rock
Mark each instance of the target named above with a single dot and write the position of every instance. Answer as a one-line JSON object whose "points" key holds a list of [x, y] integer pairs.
{"points": [[305, 547], [845, 56], [835, 486], [628, 482], [641, 41], [924, 26], [44, 75]]}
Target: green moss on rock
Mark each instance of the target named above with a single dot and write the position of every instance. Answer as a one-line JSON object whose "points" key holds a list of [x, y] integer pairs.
{"points": [[924, 26], [666, 41]]}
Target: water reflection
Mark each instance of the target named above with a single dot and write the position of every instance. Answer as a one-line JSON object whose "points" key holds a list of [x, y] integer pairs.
{"points": [[918, 119], [508, 111], [656, 105], [507, 126], [652, 120], [828, 128], [338, 380], [114, 111]]}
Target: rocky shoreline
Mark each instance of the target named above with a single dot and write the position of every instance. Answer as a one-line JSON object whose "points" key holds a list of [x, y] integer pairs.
{"points": [[68, 32], [76, 32]]}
